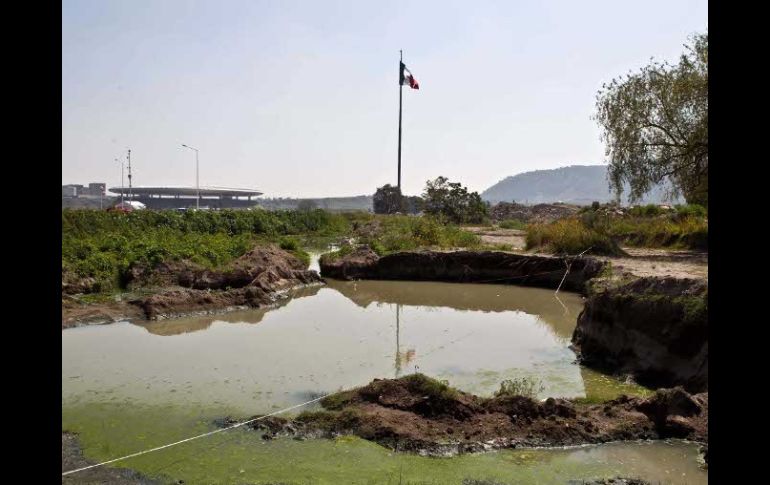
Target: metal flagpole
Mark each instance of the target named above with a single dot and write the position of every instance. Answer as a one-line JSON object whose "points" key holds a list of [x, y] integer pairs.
{"points": [[130, 192], [400, 90]]}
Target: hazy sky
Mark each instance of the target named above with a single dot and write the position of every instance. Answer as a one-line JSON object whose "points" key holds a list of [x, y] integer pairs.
{"points": [[300, 98]]}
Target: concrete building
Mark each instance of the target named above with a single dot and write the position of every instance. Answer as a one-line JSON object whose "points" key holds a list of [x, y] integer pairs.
{"points": [[185, 197], [94, 189]]}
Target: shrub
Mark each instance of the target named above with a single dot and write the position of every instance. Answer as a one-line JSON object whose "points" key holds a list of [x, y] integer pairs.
{"points": [[570, 236], [522, 386], [512, 224]]}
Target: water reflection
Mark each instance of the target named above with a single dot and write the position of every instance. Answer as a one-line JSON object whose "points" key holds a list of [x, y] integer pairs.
{"points": [[347, 334]]}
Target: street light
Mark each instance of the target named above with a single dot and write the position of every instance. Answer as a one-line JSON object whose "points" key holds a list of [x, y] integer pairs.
{"points": [[121, 180], [197, 178]]}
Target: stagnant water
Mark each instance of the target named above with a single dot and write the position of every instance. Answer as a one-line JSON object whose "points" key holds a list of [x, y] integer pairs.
{"points": [[127, 387]]}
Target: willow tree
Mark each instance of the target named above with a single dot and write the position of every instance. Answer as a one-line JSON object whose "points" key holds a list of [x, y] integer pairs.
{"points": [[655, 126]]}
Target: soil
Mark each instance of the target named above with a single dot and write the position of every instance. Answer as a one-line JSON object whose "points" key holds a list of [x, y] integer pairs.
{"points": [[516, 238], [415, 413], [72, 458], [258, 278], [655, 329], [466, 267], [664, 263]]}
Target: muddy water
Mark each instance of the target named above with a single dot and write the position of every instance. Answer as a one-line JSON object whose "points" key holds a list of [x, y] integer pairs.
{"points": [[127, 387]]}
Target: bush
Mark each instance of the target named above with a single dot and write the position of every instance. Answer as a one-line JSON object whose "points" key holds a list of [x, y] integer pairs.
{"points": [[570, 236], [649, 210], [690, 210], [404, 233], [512, 224], [522, 386]]}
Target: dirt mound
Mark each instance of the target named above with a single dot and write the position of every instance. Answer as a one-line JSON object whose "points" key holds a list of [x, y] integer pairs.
{"points": [[72, 284], [464, 266], [250, 281], [540, 213], [653, 328], [355, 265], [416, 413]]}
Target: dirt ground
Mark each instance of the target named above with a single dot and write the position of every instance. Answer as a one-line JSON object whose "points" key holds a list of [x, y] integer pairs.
{"points": [[662, 262], [514, 237], [640, 261]]}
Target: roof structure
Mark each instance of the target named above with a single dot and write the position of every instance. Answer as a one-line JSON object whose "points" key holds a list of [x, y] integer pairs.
{"points": [[205, 191]]}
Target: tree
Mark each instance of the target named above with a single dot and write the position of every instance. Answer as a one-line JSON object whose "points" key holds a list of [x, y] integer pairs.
{"points": [[655, 126], [388, 200], [453, 201]]}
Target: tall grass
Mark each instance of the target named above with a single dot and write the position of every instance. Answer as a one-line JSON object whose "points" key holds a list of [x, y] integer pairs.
{"points": [[570, 236], [402, 233], [603, 233]]}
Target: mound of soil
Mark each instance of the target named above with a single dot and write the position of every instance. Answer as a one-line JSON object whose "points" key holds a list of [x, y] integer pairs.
{"points": [[464, 266], [653, 328], [415, 413], [539, 213], [252, 280]]}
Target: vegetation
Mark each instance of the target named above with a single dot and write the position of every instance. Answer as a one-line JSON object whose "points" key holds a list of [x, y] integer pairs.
{"points": [[599, 228], [512, 224], [402, 233], [522, 386], [104, 245], [570, 236], [432, 388], [655, 126], [453, 202], [389, 200]]}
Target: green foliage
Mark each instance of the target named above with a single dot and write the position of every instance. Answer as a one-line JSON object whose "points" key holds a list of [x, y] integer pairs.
{"points": [[403, 233], [104, 245], [512, 224], [690, 210], [570, 236], [522, 386], [642, 226], [655, 125], [649, 210], [452, 201], [387, 200], [426, 386], [289, 243]]}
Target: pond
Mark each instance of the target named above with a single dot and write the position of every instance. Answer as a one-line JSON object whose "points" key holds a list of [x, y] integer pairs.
{"points": [[131, 386]]}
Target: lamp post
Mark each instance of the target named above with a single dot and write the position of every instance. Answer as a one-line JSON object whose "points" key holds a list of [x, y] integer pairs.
{"points": [[197, 178], [121, 180]]}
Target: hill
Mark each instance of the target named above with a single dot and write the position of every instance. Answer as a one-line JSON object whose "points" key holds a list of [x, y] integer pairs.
{"points": [[575, 184]]}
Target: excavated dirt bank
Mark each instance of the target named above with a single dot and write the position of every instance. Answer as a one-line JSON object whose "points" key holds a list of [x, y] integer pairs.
{"points": [[464, 267], [653, 328], [416, 413], [178, 288]]}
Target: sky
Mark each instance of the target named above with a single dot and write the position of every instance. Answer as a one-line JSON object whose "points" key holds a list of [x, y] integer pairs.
{"points": [[300, 98]]}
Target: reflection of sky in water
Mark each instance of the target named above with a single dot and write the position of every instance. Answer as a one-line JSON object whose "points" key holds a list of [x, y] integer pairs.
{"points": [[331, 339]]}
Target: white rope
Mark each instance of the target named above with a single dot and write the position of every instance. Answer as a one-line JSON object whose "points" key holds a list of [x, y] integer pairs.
{"points": [[198, 436], [569, 266]]}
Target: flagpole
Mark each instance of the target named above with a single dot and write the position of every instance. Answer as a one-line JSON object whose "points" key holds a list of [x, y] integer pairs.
{"points": [[400, 90]]}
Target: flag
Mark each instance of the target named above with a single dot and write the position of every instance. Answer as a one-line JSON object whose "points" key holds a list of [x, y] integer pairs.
{"points": [[406, 78]]}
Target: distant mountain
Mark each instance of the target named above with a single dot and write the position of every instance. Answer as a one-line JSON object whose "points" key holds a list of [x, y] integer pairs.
{"points": [[576, 184]]}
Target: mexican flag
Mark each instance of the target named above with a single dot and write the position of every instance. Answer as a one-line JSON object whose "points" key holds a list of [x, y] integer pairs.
{"points": [[406, 78]]}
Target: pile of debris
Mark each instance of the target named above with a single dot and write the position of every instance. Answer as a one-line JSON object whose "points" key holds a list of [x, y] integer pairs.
{"points": [[540, 213]]}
